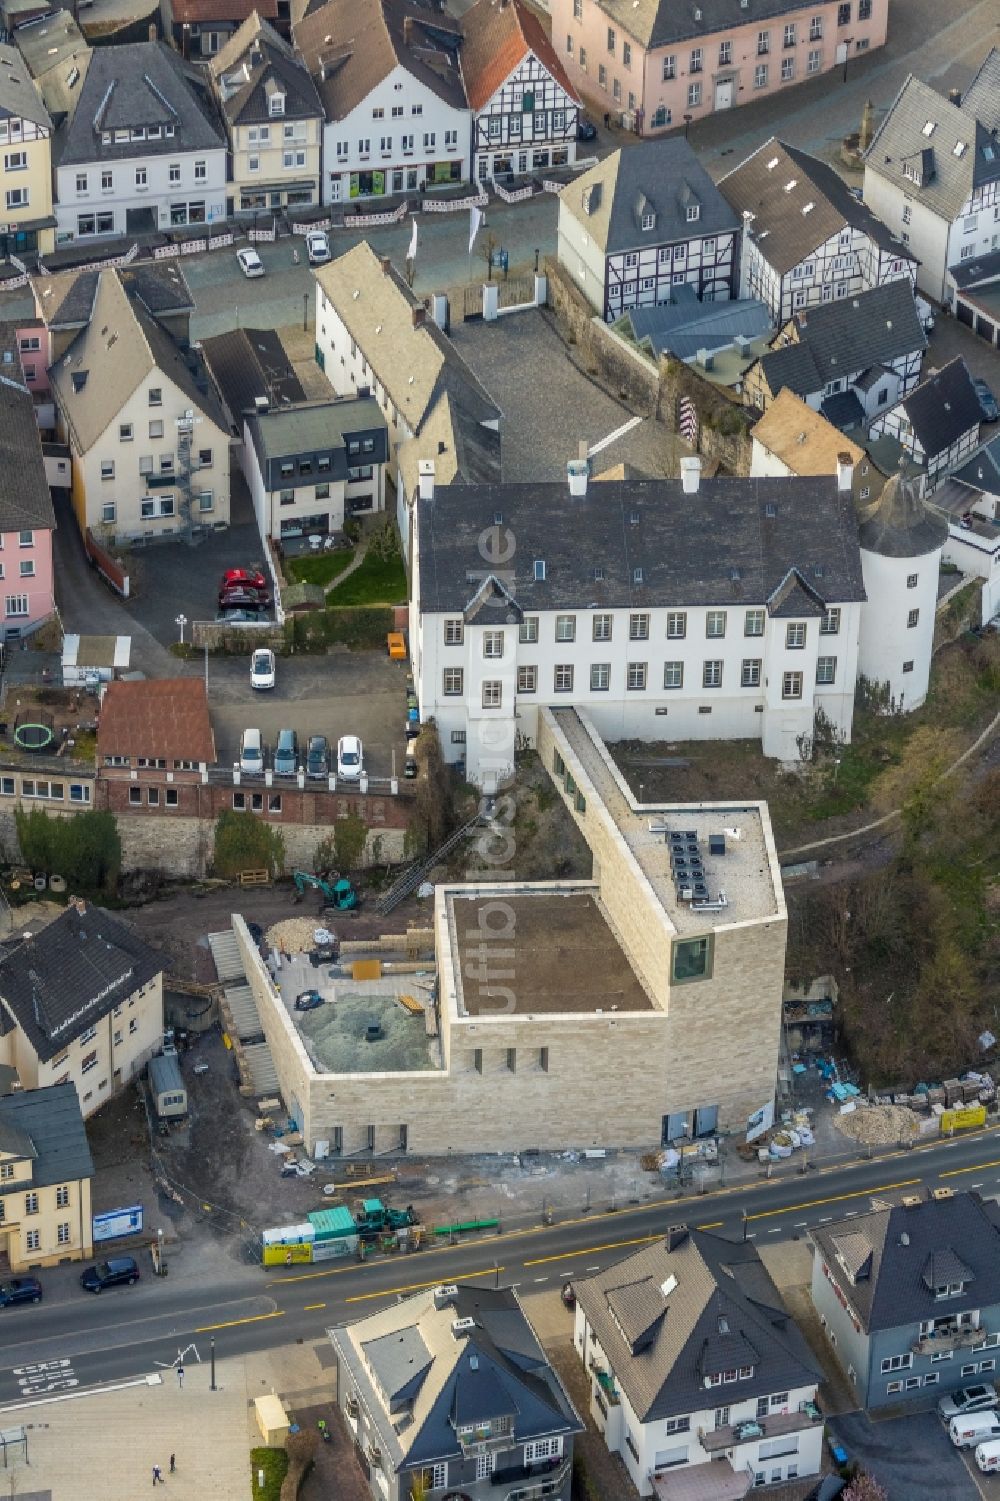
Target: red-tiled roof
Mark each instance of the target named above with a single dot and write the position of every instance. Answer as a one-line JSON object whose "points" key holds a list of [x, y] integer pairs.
{"points": [[498, 35], [166, 718], [188, 12]]}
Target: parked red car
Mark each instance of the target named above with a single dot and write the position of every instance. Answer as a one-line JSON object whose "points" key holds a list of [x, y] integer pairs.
{"points": [[251, 578], [242, 598]]}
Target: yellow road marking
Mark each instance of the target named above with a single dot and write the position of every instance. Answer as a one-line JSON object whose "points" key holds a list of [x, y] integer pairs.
{"points": [[255, 1318], [416, 1287], [713, 1226], [640, 1240], [310, 1306], [858, 1193], [977, 1168]]}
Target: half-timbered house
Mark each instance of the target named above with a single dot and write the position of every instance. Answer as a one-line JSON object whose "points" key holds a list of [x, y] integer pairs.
{"points": [[935, 428], [645, 220], [932, 171], [849, 360], [524, 108], [806, 239]]}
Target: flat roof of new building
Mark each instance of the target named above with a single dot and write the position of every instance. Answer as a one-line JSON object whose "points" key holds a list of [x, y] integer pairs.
{"points": [[733, 841], [336, 1035], [566, 958]]}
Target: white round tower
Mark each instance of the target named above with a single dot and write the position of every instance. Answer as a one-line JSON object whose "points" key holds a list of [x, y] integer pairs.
{"points": [[901, 542]]}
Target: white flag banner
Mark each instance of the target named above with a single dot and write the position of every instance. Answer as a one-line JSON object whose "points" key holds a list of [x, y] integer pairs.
{"points": [[411, 254], [475, 220]]}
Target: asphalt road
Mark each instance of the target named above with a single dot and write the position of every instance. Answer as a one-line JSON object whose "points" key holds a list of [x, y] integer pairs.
{"points": [[75, 1340]]}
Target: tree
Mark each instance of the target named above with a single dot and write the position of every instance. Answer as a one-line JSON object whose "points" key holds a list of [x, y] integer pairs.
{"points": [[245, 842], [86, 847], [865, 1487], [350, 835]]}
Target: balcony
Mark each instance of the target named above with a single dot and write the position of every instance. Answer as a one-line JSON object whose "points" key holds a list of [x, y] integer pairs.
{"points": [[159, 481], [715, 1440], [947, 1338], [484, 1442], [530, 1482], [606, 1384]]}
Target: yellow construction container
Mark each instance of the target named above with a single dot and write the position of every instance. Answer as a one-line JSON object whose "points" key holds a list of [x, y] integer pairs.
{"points": [[272, 1420]]}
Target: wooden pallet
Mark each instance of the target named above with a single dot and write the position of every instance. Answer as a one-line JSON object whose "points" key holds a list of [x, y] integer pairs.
{"points": [[255, 878]]}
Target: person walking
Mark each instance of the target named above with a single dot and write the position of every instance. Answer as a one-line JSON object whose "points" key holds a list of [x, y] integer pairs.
{"points": [[173, 1464], [180, 1377], [158, 1476]]}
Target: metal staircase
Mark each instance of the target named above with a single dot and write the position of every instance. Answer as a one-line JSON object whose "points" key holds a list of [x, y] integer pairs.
{"points": [[185, 468], [412, 876]]}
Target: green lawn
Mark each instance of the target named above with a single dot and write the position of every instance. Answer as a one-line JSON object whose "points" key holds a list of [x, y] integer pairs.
{"points": [[274, 1463], [321, 568], [374, 582]]}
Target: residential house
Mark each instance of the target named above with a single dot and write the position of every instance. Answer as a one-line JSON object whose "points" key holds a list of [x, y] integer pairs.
{"points": [[26, 143], [647, 219], [64, 304], [247, 364], [201, 28], [141, 151], [148, 439], [656, 65], [699, 1379], [525, 110], [45, 1177], [970, 504], [450, 1390], [373, 336], [81, 1002], [309, 467], [695, 608], [850, 360], [792, 438], [162, 725], [935, 427], [807, 240], [974, 287], [27, 520], [274, 119], [397, 119], [932, 174], [909, 1295], [57, 55]]}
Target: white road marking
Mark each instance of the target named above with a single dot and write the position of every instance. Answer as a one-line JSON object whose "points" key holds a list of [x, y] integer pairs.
{"points": [[594, 1268], [541, 1279], [800, 1225], [45, 1376], [619, 432], [826, 1219], [775, 1232]]}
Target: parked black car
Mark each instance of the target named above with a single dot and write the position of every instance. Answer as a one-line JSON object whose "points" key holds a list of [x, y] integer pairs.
{"points": [[586, 130], [20, 1290], [110, 1273], [318, 756]]}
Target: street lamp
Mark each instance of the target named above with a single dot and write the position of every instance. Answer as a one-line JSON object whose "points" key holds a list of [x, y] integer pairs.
{"points": [[687, 123], [847, 53], [181, 622], [305, 312]]}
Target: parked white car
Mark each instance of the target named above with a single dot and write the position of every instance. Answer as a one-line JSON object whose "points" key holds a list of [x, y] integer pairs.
{"points": [[262, 668], [349, 758], [250, 262], [976, 1398], [252, 752], [317, 247]]}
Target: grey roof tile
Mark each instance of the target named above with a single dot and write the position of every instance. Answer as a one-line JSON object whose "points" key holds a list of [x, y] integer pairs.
{"points": [[849, 335], [254, 58], [65, 978], [943, 407], [19, 94], [249, 362], [982, 98], [684, 325], [688, 547], [25, 498], [657, 23], [52, 1121], [658, 176], [923, 123], [351, 46]]}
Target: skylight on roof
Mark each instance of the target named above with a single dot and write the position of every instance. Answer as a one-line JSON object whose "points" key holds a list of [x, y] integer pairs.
{"points": [[960, 148], [807, 208], [772, 164], [790, 185], [930, 128]]}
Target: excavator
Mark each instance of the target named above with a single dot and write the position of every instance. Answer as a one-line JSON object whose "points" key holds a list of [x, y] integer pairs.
{"points": [[338, 895]]}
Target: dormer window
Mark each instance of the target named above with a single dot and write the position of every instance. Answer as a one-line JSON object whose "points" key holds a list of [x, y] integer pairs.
{"points": [[276, 104], [693, 213], [648, 221], [949, 1290]]}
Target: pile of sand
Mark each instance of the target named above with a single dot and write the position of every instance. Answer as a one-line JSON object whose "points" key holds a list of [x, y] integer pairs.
{"points": [[293, 935], [878, 1125]]}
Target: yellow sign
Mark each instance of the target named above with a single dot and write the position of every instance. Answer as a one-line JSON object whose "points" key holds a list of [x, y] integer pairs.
{"points": [[293, 1255], [964, 1118]]}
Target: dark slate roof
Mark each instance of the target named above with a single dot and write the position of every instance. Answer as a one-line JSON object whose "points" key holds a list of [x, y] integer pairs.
{"points": [[943, 407], [139, 83], [897, 524], [983, 469], [65, 978], [982, 97], [792, 367], [654, 176], [25, 499], [903, 1240], [66, 299], [52, 1121], [844, 410], [734, 541], [795, 599], [948, 180], [976, 272], [19, 94], [250, 362], [719, 1310], [253, 62], [798, 203], [656, 23], [433, 1379], [852, 334]]}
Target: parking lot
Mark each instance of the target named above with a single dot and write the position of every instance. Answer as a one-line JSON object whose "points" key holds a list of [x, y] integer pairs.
{"points": [[912, 1457]]}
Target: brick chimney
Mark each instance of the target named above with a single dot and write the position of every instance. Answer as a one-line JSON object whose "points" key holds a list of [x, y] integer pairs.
{"points": [[419, 315], [676, 1236], [385, 263]]}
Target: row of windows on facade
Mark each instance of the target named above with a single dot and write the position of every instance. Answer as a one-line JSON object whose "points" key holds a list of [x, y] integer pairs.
{"points": [[148, 462], [157, 507], [538, 1449], [789, 38], [140, 178], [406, 143], [104, 223], [637, 678], [7, 1173], [79, 792], [697, 251], [322, 492], [663, 115], [913, 1383], [602, 627]]}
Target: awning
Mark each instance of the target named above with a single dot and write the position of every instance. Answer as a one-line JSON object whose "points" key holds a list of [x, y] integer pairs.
{"points": [[715, 1481], [306, 184]]}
